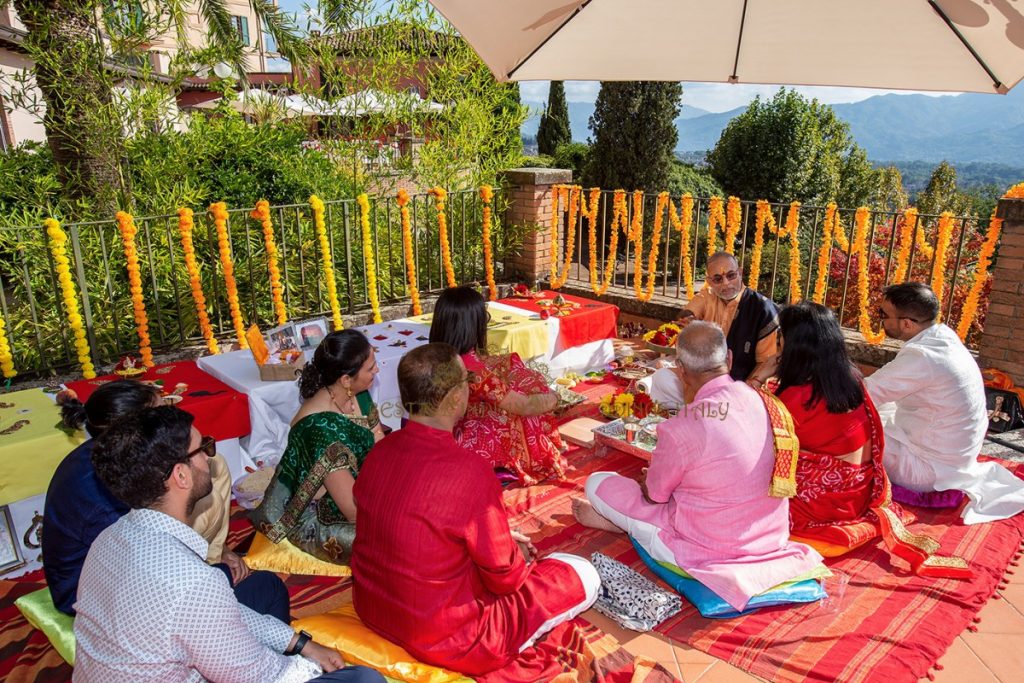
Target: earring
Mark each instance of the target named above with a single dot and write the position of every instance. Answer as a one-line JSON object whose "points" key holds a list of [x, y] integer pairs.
{"points": [[348, 391]]}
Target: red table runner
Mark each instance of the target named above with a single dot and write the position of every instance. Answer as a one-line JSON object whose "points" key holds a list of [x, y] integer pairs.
{"points": [[592, 321], [219, 410]]}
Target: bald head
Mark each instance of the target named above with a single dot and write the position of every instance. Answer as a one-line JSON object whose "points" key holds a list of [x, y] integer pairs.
{"points": [[701, 348], [724, 257]]}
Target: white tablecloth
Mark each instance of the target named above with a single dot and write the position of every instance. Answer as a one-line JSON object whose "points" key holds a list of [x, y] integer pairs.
{"points": [[560, 360], [272, 405]]}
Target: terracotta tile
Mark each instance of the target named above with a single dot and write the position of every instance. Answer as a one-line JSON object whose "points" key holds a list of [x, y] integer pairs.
{"points": [[721, 672], [1017, 577], [1014, 595], [691, 672], [1001, 616], [608, 626], [653, 646], [1001, 653], [690, 655], [961, 664]]}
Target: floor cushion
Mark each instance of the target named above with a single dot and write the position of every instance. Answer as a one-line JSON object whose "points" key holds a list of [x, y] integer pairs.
{"points": [[342, 630], [39, 610], [802, 589], [285, 558]]}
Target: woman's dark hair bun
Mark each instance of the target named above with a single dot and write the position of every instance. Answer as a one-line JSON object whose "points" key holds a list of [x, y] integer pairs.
{"points": [[340, 354]]}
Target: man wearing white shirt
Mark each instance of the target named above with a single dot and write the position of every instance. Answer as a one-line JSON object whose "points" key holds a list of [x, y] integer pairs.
{"points": [[932, 402], [149, 607]]}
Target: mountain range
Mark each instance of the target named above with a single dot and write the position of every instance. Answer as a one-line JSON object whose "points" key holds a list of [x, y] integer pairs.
{"points": [[957, 128]]}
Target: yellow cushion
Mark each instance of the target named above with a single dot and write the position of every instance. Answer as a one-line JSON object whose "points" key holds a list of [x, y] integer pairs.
{"points": [[825, 548], [342, 630], [39, 610], [285, 558]]}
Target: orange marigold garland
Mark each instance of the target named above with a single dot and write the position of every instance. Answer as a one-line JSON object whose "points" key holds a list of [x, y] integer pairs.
{"points": [[410, 257], [589, 211], [733, 218], [186, 224], [824, 254], [647, 293], [6, 358], [317, 206], [58, 242], [440, 197], [995, 226], [762, 219], [792, 229], [682, 224], [716, 219], [486, 197], [564, 198], [1015, 192], [907, 231], [220, 224], [368, 258], [262, 214], [942, 240], [619, 212], [863, 251], [126, 226]]}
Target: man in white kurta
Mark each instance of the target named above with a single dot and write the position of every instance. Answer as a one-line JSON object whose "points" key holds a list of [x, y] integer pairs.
{"points": [[932, 402]]}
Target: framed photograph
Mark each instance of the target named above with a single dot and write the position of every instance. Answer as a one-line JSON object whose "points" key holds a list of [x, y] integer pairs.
{"points": [[10, 557], [280, 340], [310, 333]]}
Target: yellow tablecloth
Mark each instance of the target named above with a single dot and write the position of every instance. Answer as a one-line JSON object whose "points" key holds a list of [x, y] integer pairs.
{"points": [[508, 332], [30, 454]]}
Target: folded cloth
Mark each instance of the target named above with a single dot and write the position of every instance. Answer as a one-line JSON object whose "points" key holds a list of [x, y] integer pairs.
{"points": [[928, 499], [634, 602]]}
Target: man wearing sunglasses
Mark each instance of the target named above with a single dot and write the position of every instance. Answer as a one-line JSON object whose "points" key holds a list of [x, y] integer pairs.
{"points": [[749, 320], [149, 607], [931, 399]]}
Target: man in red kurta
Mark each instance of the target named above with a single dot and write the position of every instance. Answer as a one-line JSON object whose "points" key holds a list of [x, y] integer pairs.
{"points": [[436, 568]]}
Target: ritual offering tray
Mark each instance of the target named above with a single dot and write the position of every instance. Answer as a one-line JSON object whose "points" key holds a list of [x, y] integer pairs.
{"points": [[644, 439], [632, 373], [663, 339], [567, 398]]}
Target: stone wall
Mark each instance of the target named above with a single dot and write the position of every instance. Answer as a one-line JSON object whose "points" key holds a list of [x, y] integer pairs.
{"points": [[1002, 343], [529, 194]]}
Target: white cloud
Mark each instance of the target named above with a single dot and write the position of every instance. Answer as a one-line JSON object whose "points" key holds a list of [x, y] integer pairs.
{"points": [[718, 97]]}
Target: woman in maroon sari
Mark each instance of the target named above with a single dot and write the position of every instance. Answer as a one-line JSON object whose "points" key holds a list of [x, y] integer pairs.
{"points": [[843, 497], [509, 421]]}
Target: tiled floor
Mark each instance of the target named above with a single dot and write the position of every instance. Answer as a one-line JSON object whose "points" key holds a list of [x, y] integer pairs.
{"points": [[994, 654]]}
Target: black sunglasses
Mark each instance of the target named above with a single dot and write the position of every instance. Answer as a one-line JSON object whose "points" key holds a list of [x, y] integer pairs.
{"points": [[207, 446]]}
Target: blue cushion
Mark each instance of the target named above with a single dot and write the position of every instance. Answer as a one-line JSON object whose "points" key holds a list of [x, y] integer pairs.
{"points": [[710, 605]]}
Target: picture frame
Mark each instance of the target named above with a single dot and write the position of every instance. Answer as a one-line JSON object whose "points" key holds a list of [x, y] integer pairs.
{"points": [[310, 333], [279, 339], [10, 549]]}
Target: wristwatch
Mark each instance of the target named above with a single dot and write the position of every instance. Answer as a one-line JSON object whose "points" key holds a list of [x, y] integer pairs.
{"points": [[300, 643]]}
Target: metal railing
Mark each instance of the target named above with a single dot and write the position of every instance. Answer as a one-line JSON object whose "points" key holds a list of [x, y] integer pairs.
{"points": [[32, 305], [968, 232]]}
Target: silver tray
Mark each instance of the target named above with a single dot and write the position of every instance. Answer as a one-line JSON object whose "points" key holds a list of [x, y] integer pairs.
{"points": [[613, 435]]}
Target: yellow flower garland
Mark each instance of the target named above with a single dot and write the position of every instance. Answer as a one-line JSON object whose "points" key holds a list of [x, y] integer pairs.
{"points": [[590, 213], [317, 206], [262, 213], [863, 252], [922, 245], [618, 219], [368, 258], [792, 229], [486, 197], [762, 218], [907, 230], [126, 226], [219, 210], [440, 197], [58, 242], [825, 253], [647, 293], [1015, 192], [733, 218], [410, 257], [716, 218], [765, 218], [635, 234], [6, 358], [564, 198], [682, 224], [995, 226], [942, 239], [185, 226]]}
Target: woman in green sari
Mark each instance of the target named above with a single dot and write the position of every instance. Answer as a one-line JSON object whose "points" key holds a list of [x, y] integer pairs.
{"points": [[309, 501]]}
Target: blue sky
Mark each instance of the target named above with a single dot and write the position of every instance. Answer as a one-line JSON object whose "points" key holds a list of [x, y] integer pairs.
{"points": [[714, 97]]}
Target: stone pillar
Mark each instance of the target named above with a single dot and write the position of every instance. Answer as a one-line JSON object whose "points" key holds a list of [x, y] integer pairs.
{"points": [[1002, 342], [529, 212]]}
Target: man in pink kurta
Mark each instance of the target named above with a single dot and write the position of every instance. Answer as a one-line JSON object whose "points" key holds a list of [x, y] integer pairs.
{"points": [[705, 505], [436, 568]]}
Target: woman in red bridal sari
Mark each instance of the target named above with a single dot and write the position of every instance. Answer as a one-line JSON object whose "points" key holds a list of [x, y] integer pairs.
{"points": [[843, 497], [509, 420]]}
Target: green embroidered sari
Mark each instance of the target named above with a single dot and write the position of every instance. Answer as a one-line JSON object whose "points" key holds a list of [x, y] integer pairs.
{"points": [[318, 444]]}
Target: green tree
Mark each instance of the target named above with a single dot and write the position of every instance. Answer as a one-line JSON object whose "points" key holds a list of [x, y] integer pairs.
{"points": [[80, 50], [572, 155], [688, 178], [941, 193], [634, 135], [789, 148], [554, 122], [890, 194]]}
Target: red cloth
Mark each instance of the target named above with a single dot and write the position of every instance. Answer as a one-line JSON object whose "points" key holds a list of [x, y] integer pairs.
{"points": [[528, 446], [592, 321], [219, 410], [434, 564]]}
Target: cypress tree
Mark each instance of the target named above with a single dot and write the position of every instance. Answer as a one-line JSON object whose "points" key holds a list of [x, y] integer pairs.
{"points": [[554, 122]]}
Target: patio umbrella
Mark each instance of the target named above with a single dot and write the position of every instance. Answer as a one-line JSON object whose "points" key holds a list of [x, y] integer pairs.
{"points": [[376, 101], [945, 45]]}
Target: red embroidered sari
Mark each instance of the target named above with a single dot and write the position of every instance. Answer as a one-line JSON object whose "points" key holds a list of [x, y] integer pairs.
{"points": [[843, 504], [530, 447]]}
